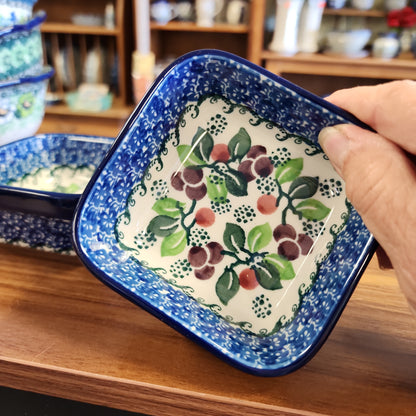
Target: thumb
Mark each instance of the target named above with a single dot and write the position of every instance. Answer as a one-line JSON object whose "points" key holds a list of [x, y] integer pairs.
{"points": [[380, 182]]}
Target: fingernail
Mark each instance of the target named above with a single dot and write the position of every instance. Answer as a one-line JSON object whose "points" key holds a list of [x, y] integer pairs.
{"points": [[335, 144]]}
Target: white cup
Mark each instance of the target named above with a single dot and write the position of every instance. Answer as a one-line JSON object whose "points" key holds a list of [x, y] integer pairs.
{"points": [[237, 12], [162, 11], [206, 10]]}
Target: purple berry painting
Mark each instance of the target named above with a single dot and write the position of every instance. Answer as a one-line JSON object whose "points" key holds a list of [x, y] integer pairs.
{"points": [[232, 213]]}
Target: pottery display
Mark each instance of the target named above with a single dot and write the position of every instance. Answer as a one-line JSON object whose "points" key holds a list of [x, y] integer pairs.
{"points": [[336, 4], [184, 10], [394, 4], [386, 46], [22, 105], [21, 50], [310, 23], [237, 12], [207, 10], [41, 180], [162, 11], [349, 43], [362, 4], [14, 12], [285, 36], [229, 223]]}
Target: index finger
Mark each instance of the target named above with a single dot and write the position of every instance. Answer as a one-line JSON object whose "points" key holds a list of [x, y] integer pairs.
{"points": [[390, 109]]}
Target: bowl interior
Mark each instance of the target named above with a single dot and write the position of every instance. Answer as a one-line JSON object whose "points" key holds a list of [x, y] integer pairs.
{"points": [[229, 222], [52, 163]]}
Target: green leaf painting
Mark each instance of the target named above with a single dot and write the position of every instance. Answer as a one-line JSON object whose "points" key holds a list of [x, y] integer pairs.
{"points": [[268, 276], [240, 144], [187, 156], [168, 207], [162, 225], [303, 187], [234, 237], [202, 144], [283, 265], [227, 286], [236, 183], [173, 244], [312, 209], [216, 189], [259, 237], [289, 170]]}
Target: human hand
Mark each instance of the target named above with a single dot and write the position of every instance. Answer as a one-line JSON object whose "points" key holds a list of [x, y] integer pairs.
{"points": [[378, 168]]}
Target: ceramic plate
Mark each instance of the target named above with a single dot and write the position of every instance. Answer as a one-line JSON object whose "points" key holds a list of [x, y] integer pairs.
{"points": [[218, 212]]}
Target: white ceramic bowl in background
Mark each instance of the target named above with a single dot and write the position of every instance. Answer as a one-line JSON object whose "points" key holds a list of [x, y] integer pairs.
{"points": [[22, 105], [394, 4], [349, 43], [362, 4]]}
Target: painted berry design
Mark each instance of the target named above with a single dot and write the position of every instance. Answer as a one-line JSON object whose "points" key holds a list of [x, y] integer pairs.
{"points": [[233, 215], [217, 170], [204, 259]]}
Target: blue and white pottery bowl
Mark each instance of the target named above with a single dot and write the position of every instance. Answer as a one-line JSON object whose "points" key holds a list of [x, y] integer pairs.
{"points": [[15, 11], [217, 211], [22, 105], [21, 50], [41, 180]]}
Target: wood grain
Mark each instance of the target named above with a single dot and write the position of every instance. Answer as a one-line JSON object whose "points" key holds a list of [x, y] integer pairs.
{"points": [[64, 333]]}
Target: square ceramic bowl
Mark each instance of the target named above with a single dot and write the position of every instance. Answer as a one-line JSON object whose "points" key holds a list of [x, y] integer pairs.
{"points": [[21, 50], [217, 211], [41, 180], [22, 105]]}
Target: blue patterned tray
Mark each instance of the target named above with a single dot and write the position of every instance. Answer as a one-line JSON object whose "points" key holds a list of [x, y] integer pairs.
{"points": [[218, 212], [41, 180]]}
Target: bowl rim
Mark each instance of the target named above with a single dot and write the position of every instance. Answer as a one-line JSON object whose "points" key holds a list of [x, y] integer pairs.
{"points": [[38, 18], [44, 74], [274, 369], [46, 203]]}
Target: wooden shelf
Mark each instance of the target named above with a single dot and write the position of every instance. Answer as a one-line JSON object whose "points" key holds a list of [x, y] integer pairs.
{"points": [[76, 51], [355, 12], [173, 38], [117, 111], [192, 27], [320, 64], [54, 27]]}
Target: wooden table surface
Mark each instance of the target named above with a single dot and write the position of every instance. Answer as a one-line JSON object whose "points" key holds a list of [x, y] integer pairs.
{"points": [[63, 333]]}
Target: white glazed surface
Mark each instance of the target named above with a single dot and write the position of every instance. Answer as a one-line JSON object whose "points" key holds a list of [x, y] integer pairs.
{"points": [[66, 179]]}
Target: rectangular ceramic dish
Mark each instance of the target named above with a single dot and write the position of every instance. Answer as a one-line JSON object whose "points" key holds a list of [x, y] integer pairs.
{"points": [[41, 180], [217, 211]]}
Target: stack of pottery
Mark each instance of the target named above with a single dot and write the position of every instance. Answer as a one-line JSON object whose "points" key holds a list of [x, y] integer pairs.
{"points": [[23, 76]]}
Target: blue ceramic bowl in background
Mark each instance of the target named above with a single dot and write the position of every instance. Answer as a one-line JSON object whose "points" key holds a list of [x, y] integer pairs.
{"points": [[15, 11], [41, 179], [22, 105], [21, 50]]}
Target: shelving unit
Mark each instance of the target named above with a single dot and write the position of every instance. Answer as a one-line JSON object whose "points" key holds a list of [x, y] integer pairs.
{"points": [[96, 52], [318, 64], [177, 38], [172, 39]]}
